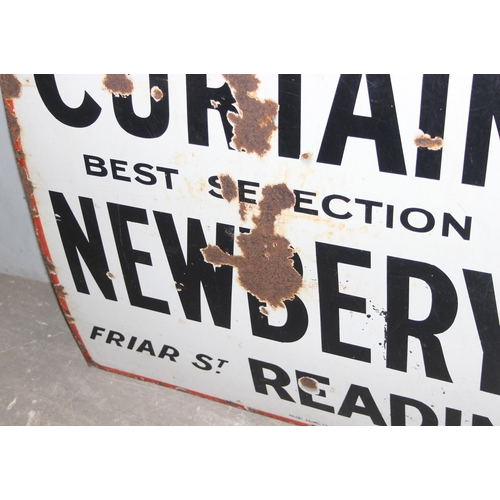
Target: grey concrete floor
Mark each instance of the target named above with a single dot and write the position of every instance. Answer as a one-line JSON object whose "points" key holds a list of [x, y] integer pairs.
{"points": [[46, 381]]}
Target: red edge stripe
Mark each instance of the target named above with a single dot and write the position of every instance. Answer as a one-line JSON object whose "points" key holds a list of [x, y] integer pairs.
{"points": [[74, 330]]}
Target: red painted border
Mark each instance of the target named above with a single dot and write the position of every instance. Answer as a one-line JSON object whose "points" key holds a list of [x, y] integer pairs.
{"points": [[64, 306]]}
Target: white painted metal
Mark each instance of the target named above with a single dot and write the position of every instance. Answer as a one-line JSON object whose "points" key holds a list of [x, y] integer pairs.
{"points": [[360, 385]]}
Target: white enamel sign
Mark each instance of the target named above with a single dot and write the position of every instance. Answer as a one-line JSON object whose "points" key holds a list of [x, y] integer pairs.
{"points": [[317, 248]]}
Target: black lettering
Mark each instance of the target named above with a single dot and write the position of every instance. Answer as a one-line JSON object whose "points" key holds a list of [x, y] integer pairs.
{"points": [[398, 411], [170, 352], [463, 231], [95, 166], [484, 106], [203, 358], [478, 420], [331, 300], [216, 282], [115, 168], [199, 100], [168, 175], [119, 216], [429, 225], [83, 116], [152, 126], [97, 332], [115, 337], [441, 316], [484, 307], [242, 190], [453, 417], [260, 381], [76, 244], [432, 118], [369, 409], [214, 182], [389, 222], [382, 126], [131, 342], [144, 170], [328, 211], [147, 346], [289, 115], [299, 199], [368, 208]]}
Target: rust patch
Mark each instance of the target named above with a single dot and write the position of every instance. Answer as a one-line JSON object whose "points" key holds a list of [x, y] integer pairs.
{"points": [[60, 292], [110, 275], [119, 85], [254, 125], [11, 87], [265, 268], [229, 189], [309, 385], [243, 211], [156, 93], [48, 264], [305, 156], [428, 142], [14, 128], [28, 189]]}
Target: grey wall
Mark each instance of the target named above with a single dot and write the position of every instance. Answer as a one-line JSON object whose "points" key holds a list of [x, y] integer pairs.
{"points": [[19, 251]]}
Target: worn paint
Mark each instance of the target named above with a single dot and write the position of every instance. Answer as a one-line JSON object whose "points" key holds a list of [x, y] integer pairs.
{"points": [[229, 188], [263, 311], [11, 87], [230, 192], [60, 292], [428, 142], [265, 268], [156, 93], [254, 125], [119, 85], [309, 385]]}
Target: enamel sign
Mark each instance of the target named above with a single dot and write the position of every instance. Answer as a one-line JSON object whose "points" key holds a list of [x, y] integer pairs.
{"points": [[320, 249]]}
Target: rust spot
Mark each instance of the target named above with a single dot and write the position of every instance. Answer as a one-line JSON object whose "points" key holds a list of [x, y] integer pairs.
{"points": [[48, 264], [60, 292], [243, 211], [12, 124], [309, 385], [69, 318], [110, 275], [156, 93], [428, 142], [265, 268], [28, 188], [11, 87], [254, 125], [215, 104], [229, 189], [305, 156], [119, 85]]}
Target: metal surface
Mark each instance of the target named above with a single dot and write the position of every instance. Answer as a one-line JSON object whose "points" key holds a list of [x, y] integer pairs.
{"points": [[315, 248]]}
